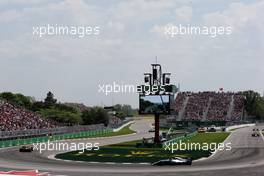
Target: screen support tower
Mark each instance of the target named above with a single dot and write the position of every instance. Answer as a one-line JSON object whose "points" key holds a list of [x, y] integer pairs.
{"points": [[157, 135], [156, 73], [157, 78]]}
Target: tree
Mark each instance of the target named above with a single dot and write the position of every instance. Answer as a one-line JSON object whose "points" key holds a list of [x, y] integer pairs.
{"points": [[101, 116], [95, 115], [254, 104], [251, 100], [88, 116], [8, 96], [62, 116], [259, 112], [123, 111], [120, 114], [127, 109], [17, 99], [118, 107], [50, 100], [24, 101]]}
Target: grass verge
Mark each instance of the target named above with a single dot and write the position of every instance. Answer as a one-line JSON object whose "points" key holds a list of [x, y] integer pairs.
{"points": [[124, 131], [128, 152]]}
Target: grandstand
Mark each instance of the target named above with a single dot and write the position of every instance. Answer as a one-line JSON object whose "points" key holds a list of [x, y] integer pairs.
{"points": [[209, 106], [13, 118], [17, 122]]}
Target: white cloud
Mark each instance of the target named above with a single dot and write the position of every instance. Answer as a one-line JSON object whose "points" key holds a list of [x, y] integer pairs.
{"points": [[140, 10], [9, 16], [19, 2], [184, 13], [126, 47], [116, 25]]}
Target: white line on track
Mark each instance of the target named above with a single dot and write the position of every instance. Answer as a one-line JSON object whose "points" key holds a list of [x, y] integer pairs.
{"points": [[261, 135]]}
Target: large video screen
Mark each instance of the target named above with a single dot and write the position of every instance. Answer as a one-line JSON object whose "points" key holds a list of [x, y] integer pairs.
{"points": [[151, 104]]}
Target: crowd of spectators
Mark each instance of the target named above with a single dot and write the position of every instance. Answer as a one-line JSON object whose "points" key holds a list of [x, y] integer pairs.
{"points": [[14, 118], [213, 106], [219, 107], [238, 106], [114, 122], [179, 101], [196, 105]]}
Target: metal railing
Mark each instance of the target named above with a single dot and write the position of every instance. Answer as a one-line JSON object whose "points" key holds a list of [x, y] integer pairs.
{"points": [[5, 135], [39, 139]]}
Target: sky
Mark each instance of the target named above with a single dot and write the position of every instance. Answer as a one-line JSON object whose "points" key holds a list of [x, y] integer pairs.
{"points": [[131, 36]]}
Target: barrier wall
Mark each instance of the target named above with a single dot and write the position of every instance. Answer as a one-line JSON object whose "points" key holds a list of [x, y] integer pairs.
{"points": [[26, 141], [239, 126]]}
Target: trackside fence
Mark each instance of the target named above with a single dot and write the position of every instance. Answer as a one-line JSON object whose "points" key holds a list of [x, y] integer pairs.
{"points": [[26, 141]]}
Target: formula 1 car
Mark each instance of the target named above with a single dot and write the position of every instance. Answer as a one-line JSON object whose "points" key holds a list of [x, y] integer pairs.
{"points": [[211, 130], [255, 134], [26, 148], [173, 161], [201, 130], [152, 130]]}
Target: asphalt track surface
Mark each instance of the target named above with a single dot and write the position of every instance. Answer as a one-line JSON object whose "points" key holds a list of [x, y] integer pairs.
{"points": [[246, 158]]}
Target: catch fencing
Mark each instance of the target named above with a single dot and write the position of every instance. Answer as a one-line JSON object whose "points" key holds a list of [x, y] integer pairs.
{"points": [[57, 137], [6, 135]]}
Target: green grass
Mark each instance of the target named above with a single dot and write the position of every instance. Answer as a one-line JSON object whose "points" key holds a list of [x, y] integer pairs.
{"points": [[125, 144], [128, 152], [124, 131], [16, 142], [134, 155], [216, 137]]}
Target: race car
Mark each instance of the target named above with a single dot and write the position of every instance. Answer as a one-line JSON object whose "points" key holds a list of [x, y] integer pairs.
{"points": [[211, 130], [173, 161], [152, 130], [201, 130], [255, 134], [26, 148]]}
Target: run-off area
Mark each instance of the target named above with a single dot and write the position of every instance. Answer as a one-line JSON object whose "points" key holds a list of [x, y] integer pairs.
{"points": [[129, 152]]}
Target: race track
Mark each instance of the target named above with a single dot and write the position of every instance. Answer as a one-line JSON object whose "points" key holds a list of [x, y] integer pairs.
{"points": [[245, 158]]}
